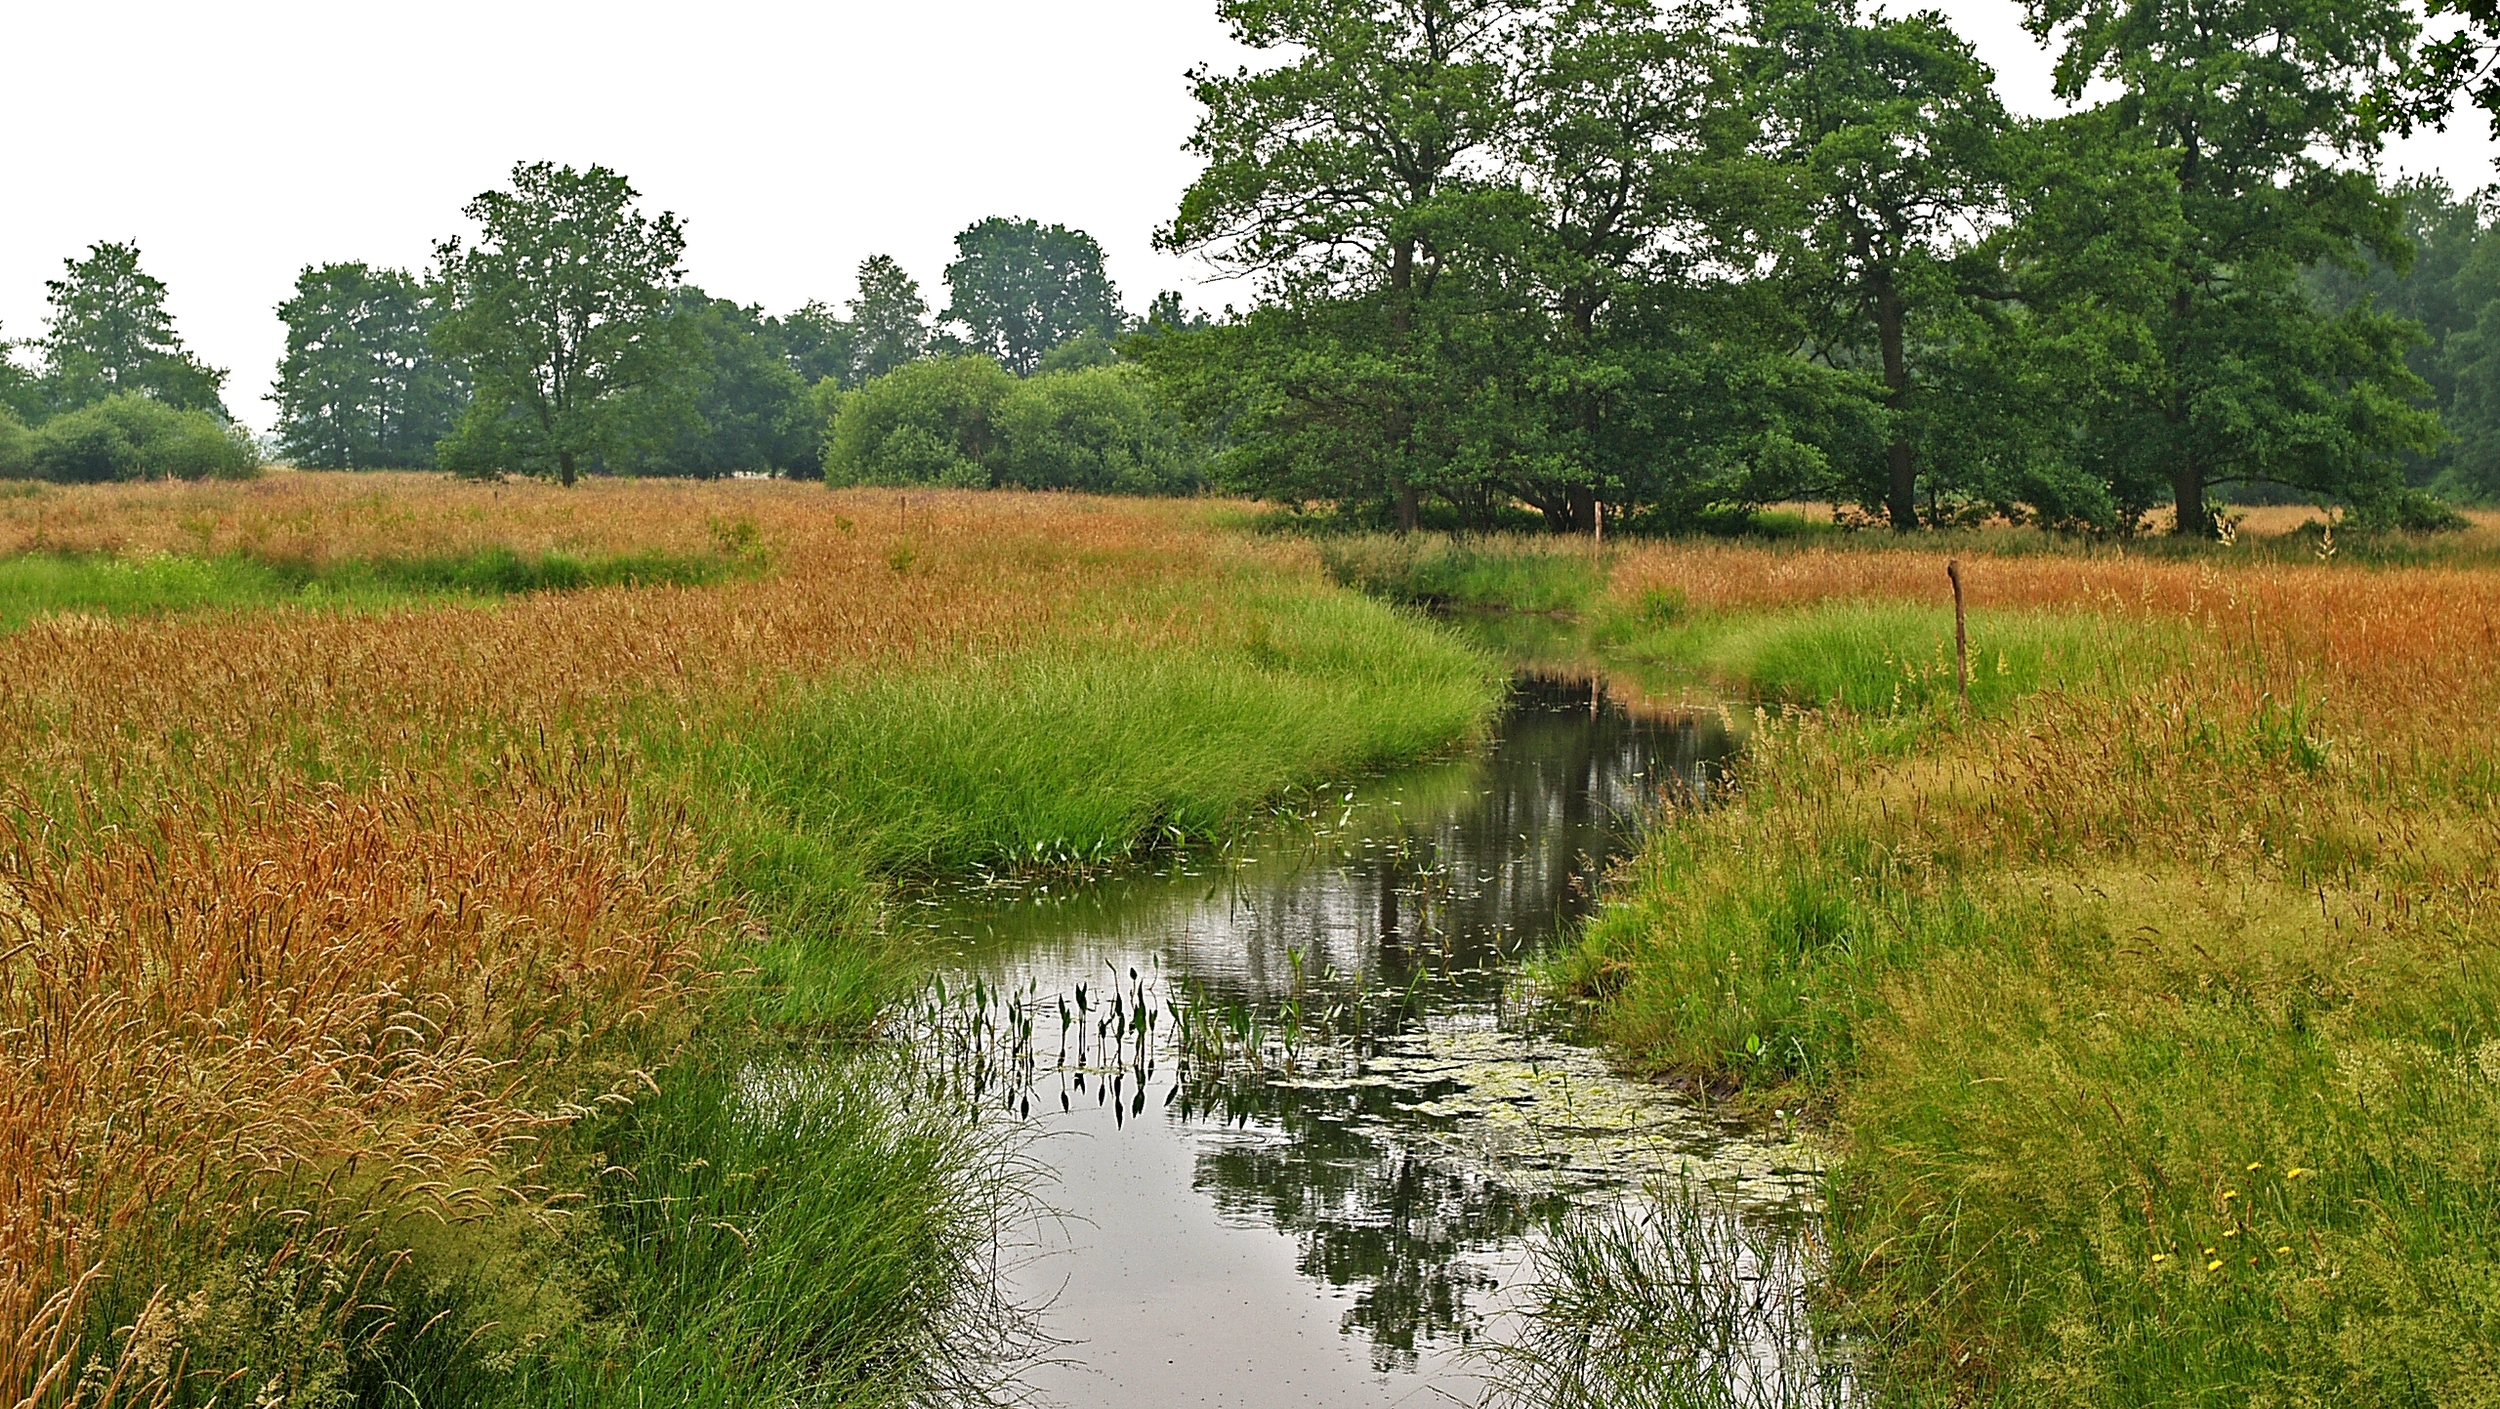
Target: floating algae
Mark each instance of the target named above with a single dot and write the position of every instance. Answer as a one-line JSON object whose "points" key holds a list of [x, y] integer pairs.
{"points": [[1548, 1116]]}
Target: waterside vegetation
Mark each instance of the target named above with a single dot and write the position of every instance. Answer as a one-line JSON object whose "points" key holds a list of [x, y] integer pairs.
{"points": [[2148, 1005], [468, 996]]}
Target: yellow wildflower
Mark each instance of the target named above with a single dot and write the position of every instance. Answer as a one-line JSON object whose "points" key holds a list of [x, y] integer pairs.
{"points": [[2214, 1266]]}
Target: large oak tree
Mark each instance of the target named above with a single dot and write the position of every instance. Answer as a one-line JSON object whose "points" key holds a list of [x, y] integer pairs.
{"points": [[559, 310], [2247, 126]]}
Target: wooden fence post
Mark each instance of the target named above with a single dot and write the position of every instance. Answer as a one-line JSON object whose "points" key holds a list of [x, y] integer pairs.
{"points": [[1961, 633]]}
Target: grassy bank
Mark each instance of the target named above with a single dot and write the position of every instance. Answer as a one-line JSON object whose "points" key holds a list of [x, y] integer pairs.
{"points": [[505, 970], [33, 585], [2149, 1009]]}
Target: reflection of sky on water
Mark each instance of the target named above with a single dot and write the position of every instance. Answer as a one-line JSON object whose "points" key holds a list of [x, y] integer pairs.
{"points": [[1403, 1169]]}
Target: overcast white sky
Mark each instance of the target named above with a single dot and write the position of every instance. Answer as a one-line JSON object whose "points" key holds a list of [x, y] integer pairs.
{"points": [[240, 141]]}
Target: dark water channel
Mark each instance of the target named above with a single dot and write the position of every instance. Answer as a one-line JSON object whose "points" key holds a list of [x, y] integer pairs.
{"points": [[1297, 1113]]}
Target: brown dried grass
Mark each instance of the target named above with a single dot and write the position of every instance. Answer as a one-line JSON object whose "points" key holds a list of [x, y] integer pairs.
{"points": [[2405, 649], [361, 906], [2066, 976], [373, 1002], [859, 581]]}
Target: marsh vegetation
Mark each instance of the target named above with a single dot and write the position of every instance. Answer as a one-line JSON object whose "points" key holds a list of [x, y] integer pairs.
{"points": [[457, 919], [1747, 808], [2138, 1001]]}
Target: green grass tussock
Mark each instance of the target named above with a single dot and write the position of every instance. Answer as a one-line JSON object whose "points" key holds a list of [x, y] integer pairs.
{"points": [[34, 585], [1709, 968], [782, 1225], [771, 1223], [1886, 659], [1082, 757], [2156, 1031]]}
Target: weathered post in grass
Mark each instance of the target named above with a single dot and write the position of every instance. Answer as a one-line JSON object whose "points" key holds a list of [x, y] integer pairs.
{"points": [[1961, 634]]}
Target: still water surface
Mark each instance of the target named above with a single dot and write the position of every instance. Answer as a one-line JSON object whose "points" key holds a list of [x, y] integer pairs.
{"points": [[1295, 1111]]}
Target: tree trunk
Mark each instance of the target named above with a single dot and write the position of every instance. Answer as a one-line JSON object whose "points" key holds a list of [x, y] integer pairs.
{"points": [[1901, 490], [1582, 514], [2187, 472], [1400, 424], [564, 467], [2187, 489]]}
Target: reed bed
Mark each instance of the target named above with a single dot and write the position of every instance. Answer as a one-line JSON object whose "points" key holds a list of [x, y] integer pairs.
{"points": [[2150, 1008], [322, 929]]}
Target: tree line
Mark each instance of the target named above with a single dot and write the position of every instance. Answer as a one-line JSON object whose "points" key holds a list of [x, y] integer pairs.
{"points": [[563, 338], [115, 395], [1559, 259], [1682, 260]]}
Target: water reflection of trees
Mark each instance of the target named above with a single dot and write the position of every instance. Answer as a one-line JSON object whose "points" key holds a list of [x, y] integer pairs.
{"points": [[1461, 885], [1368, 1215], [1452, 876], [1454, 897]]}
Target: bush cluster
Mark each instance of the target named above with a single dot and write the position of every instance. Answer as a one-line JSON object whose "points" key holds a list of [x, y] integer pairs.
{"points": [[126, 437], [968, 423]]}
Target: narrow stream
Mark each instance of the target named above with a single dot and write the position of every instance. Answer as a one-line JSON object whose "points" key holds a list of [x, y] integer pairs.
{"points": [[1296, 1112]]}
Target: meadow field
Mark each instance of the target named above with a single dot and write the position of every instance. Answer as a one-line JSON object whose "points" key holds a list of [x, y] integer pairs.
{"points": [[2150, 1007], [402, 881], [443, 932]]}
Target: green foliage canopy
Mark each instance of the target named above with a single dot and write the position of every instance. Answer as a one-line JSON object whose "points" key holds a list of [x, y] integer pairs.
{"points": [[926, 422], [1684, 261], [1888, 131], [109, 332], [889, 321], [1100, 428], [964, 422], [362, 386], [1021, 288], [2226, 133], [21, 393], [558, 313], [1341, 178], [128, 436], [2451, 288], [17, 447], [733, 404]]}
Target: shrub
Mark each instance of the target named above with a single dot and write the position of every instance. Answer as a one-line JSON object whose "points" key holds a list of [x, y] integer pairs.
{"points": [[1095, 428], [923, 423], [128, 437], [965, 423], [17, 447], [2406, 511]]}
